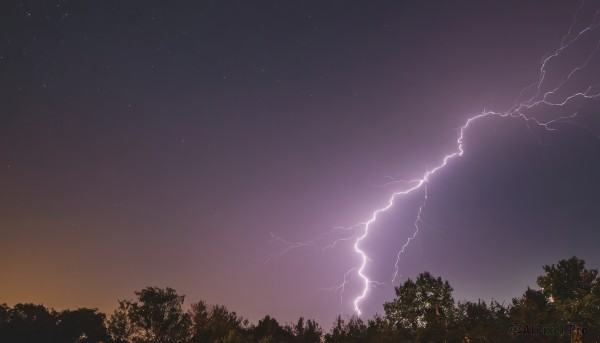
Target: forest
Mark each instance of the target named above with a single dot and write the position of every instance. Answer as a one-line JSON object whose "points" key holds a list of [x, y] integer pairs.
{"points": [[565, 308]]}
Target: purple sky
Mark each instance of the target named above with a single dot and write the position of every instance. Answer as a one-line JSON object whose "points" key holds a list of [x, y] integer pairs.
{"points": [[152, 143]]}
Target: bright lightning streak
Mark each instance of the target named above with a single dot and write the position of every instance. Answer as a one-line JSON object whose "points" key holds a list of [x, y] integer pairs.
{"points": [[312, 243], [419, 183], [397, 269], [393, 181], [519, 110], [340, 288]]}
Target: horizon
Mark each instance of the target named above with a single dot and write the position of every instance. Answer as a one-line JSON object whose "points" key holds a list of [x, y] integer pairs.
{"points": [[187, 303], [231, 150]]}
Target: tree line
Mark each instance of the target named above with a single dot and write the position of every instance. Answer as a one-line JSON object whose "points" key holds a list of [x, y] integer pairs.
{"points": [[566, 308]]}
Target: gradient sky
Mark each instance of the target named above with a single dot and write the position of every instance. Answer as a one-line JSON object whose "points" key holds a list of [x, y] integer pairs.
{"points": [[159, 143]]}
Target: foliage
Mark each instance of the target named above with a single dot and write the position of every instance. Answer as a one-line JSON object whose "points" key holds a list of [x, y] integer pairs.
{"points": [[36, 323], [157, 316], [479, 322], [574, 291], [352, 331], [422, 311], [307, 331], [216, 324]]}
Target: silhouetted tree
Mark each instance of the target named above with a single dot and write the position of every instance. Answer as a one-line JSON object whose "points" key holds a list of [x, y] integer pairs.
{"points": [[4, 315], [306, 331], [156, 316], [337, 332], [217, 324], [531, 310], [119, 325], [422, 309], [478, 322], [201, 331], [28, 323], [35, 323], [82, 325], [380, 330], [268, 330], [575, 291], [354, 330]]}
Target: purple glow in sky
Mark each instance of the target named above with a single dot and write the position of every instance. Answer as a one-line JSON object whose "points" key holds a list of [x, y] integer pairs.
{"points": [[185, 144]]}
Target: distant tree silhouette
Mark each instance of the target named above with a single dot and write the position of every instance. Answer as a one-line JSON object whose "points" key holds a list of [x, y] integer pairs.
{"points": [[338, 332], [575, 291], [119, 326], [381, 330], [217, 324], [478, 322], [201, 330], [4, 316], [29, 323], [81, 325], [307, 331], [268, 330], [156, 316], [534, 308], [422, 309], [355, 330]]}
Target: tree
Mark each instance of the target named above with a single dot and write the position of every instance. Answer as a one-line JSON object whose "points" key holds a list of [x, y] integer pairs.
{"points": [[306, 331], [35, 323], [381, 330], [119, 326], [268, 330], [82, 325], [199, 317], [478, 322], [156, 316], [217, 324], [4, 315], [422, 309], [29, 323], [533, 309], [338, 332], [355, 330], [575, 291]]}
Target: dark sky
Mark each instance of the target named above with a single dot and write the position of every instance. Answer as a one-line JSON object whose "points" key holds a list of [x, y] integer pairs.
{"points": [[159, 143]]}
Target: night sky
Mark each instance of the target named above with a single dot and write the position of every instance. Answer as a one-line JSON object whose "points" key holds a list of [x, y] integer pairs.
{"points": [[161, 143]]}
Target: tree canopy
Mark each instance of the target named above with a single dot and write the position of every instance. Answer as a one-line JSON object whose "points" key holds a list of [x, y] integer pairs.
{"points": [[566, 308]]}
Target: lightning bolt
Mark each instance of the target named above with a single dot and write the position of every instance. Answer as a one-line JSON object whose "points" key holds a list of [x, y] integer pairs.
{"points": [[417, 221], [340, 288], [520, 110], [315, 243], [418, 183]]}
